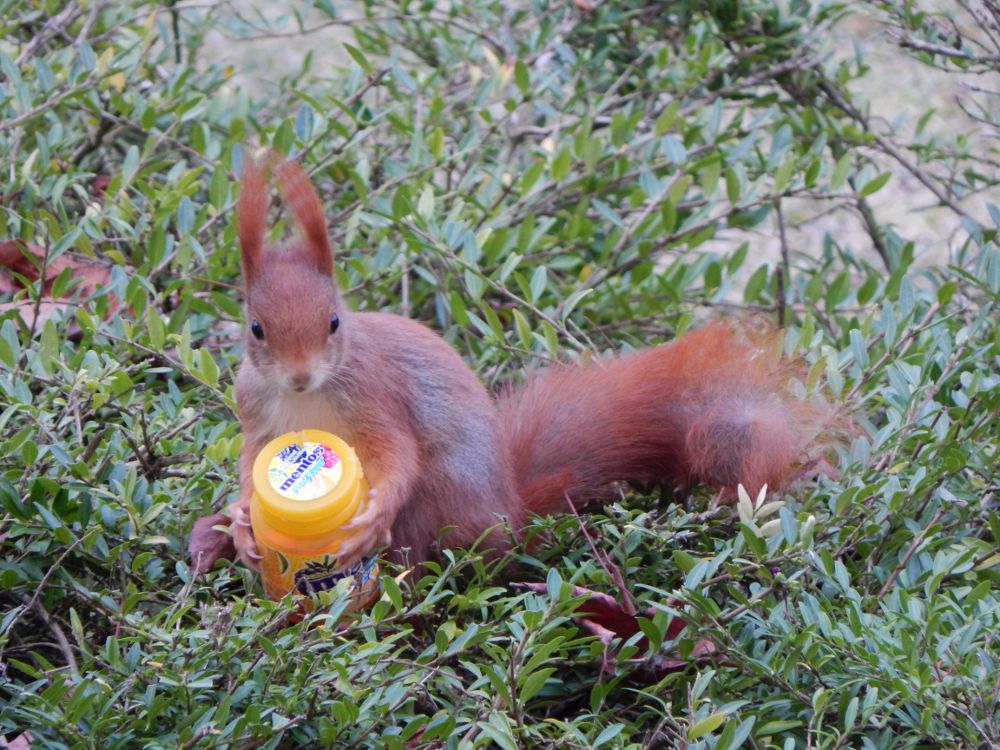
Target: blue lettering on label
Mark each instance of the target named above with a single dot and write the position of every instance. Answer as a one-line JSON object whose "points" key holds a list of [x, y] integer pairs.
{"points": [[304, 462], [322, 575], [289, 452]]}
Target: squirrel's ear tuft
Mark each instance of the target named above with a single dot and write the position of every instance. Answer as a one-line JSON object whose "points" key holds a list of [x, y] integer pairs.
{"points": [[251, 216], [305, 206]]}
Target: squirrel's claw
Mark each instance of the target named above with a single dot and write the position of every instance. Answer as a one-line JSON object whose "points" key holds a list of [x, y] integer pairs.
{"points": [[368, 516], [369, 533], [243, 538]]}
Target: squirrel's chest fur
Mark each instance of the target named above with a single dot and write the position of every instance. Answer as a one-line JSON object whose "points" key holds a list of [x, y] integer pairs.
{"points": [[278, 412]]}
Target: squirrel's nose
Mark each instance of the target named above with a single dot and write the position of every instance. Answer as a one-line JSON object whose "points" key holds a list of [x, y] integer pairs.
{"points": [[300, 381]]}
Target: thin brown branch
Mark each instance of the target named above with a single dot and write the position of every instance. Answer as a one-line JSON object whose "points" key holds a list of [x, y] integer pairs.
{"points": [[909, 553]]}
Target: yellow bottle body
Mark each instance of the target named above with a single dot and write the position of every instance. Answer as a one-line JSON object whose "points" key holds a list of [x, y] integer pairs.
{"points": [[307, 486]]}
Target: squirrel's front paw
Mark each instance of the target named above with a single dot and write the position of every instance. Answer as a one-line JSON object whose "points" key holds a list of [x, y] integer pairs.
{"points": [[243, 538], [370, 531], [208, 543]]}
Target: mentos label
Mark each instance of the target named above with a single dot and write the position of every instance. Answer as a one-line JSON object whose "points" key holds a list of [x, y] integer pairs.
{"points": [[304, 471], [304, 574], [323, 574]]}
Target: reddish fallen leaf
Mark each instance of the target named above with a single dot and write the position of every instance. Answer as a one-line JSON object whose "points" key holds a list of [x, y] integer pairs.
{"points": [[605, 617], [8, 285], [14, 257], [21, 742], [16, 268], [99, 184], [418, 741]]}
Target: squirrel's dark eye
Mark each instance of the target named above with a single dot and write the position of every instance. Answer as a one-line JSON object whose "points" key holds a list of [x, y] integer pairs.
{"points": [[334, 323], [257, 330]]}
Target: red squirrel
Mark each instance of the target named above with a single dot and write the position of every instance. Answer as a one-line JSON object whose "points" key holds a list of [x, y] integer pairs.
{"points": [[445, 460]]}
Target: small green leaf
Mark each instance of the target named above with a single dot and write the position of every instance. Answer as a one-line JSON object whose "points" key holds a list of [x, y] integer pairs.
{"points": [[706, 726], [776, 727], [668, 215], [608, 734], [733, 736], [874, 185], [305, 121], [533, 683], [840, 170], [783, 175], [391, 589], [492, 320], [436, 143], [284, 137], [732, 186], [523, 329], [673, 148], [425, 203], [48, 347], [560, 164], [945, 292], [499, 730], [155, 328], [537, 286], [522, 78], [10, 346], [851, 714], [218, 188], [131, 164], [667, 117], [530, 176], [401, 203], [458, 311], [358, 57], [207, 367]]}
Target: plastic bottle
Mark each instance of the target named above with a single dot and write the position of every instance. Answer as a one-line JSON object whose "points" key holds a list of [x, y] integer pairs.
{"points": [[307, 486]]}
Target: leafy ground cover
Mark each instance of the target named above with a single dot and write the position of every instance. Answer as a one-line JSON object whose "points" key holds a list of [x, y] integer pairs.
{"points": [[536, 180]]}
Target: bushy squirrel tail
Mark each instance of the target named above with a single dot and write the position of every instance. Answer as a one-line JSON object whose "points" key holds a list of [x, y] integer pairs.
{"points": [[715, 406]]}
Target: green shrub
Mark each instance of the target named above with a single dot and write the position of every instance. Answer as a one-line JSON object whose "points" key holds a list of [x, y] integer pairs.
{"points": [[535, 180]]}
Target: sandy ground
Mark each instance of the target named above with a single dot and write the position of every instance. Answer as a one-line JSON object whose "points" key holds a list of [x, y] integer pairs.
{"points": [[899, 90]]}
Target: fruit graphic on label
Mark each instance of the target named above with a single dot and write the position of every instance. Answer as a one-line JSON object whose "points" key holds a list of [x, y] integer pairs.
{"points": [[304, 472]]}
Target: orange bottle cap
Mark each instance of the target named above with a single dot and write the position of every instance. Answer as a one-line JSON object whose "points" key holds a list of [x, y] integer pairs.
{"points": [[308, 483]]}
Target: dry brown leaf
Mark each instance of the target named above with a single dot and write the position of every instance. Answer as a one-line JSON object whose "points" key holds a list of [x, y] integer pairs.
{"points": [[99, 184], [21, 742], [608, 619], [15, 263]]}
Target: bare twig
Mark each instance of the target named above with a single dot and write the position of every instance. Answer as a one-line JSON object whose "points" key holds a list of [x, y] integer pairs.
{"points": [[781, 300], [909, 553], [57, 632], [52, 27], [891, 149], [905, 40], [628, 602]]}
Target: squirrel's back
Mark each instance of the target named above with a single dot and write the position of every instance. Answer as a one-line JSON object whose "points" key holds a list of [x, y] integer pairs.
{"points": [[411, 375]]}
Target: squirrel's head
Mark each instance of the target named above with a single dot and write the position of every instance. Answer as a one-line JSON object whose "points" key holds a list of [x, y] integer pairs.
{"points": [[296, 320]]}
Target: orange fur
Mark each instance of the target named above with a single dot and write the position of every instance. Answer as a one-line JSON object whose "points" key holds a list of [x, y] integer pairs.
{"points": [[712, 407], [305, 206], [251, 217]]}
